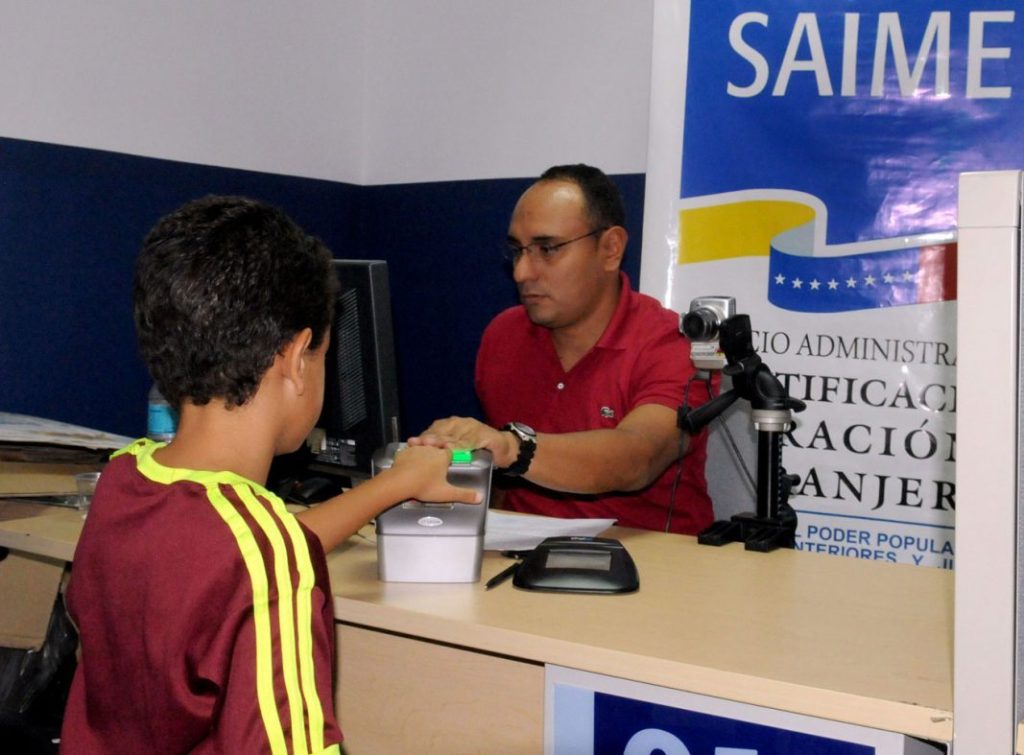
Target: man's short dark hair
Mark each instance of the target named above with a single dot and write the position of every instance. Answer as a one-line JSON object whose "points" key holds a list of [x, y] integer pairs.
{"points": [[221, 285], [602, 197]]}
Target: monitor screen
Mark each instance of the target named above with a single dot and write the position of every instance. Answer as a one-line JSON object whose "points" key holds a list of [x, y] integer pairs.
{"points": [[360, 411]]}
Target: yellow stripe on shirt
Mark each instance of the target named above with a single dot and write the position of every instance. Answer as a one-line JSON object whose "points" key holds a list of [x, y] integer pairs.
{"points": [[295, 613], [256, 567], [307, 667], [285, 611]]}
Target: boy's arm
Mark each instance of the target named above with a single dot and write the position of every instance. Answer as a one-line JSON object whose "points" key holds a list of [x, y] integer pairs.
{"points": [[419, 473]]}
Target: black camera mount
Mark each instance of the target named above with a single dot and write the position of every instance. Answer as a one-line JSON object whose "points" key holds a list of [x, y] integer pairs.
{"points": [[773, 524]]}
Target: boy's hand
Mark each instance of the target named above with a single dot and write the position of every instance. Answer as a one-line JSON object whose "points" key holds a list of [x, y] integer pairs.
{"points": [[465, 432], [424, 472]]}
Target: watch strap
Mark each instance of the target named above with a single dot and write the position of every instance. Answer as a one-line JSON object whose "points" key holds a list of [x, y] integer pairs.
{"points": [[527, 445]]}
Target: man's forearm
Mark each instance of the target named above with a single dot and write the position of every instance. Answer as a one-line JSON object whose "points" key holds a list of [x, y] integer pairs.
{"points": [[599, 461]]}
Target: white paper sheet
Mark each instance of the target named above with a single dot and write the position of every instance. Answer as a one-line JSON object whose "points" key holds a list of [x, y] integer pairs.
{"points": [[23, 428], [507, 531]]}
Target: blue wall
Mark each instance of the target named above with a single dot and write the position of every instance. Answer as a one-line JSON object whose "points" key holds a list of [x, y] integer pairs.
{"points": [[72, 220]]}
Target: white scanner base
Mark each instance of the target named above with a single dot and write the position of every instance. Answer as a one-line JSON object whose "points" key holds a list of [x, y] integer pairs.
{"points": [[423, 558]]}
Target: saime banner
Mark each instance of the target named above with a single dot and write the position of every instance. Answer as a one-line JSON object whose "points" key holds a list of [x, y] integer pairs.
{"points": [[804, 159]]}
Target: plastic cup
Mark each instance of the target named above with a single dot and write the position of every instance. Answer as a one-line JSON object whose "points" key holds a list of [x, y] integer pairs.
{"points": [[85, 482]]}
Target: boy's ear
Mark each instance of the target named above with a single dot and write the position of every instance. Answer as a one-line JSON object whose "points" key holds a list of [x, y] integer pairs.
{"points": [[293, 359]]}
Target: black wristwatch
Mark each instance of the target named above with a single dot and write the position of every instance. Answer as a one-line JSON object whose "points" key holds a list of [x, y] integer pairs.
{"points": [[527, 445]]}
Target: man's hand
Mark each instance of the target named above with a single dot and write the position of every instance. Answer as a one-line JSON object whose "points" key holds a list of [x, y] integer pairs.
{"points": [[466, 432]]}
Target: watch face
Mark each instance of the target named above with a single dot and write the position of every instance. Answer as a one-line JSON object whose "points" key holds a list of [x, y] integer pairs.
{"points": [[524, 429]]}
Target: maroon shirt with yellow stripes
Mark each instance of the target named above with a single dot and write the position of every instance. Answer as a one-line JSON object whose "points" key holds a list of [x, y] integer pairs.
{"points": [[205, 616]]}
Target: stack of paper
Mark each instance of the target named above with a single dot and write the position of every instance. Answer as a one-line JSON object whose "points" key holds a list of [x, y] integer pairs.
{"points": [[39, 457]]}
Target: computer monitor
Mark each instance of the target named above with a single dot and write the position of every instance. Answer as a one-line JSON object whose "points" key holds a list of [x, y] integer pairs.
{"points": [[360, 411]]}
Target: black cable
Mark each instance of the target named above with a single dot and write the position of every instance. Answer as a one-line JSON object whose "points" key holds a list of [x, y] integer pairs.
{"points": [[706, 377]]}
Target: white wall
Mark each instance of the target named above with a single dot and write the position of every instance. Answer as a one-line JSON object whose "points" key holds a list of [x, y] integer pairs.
{"points": [[363, 91], [470, 89], [263, 84]]}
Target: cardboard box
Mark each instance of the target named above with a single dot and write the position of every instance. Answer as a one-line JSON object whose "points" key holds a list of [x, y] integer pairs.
{"points": [[28, 589], [30, 478]]}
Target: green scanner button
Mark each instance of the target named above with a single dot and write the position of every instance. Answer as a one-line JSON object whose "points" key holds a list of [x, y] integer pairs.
{"points": [[462, 456]]}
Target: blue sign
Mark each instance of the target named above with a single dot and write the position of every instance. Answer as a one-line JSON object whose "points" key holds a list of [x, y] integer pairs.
{"points": [[874, 107], [635, 727]]}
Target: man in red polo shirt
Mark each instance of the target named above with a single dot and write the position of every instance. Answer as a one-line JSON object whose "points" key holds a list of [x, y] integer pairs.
{"points": [[580, 383]]}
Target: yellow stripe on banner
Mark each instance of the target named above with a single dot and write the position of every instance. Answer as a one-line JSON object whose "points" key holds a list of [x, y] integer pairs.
{"points": [[736, 229], [285, 612], [304, 612], [253, 560]]}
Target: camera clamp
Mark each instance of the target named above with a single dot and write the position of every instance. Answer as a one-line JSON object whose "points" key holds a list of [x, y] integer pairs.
{"points": [[773, 524]]}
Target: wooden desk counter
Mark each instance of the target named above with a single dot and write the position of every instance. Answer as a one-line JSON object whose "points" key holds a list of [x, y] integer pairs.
{"points": [[861, 642]]}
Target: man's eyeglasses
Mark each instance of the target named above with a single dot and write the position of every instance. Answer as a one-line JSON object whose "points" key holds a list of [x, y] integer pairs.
{"points": [[543, 250]]}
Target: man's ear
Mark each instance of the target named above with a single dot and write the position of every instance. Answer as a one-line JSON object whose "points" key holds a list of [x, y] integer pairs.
{"points": [[294, 359], [613, 246]]}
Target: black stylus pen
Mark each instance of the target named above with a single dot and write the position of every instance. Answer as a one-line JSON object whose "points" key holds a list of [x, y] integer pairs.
{"points": [[501, 577]]}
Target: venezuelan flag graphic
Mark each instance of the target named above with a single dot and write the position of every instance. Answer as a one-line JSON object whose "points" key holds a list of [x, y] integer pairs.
{"points": [[804, 274]]}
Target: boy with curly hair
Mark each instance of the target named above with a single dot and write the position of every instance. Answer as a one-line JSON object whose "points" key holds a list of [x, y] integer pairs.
{"points": [[203, 605]]}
